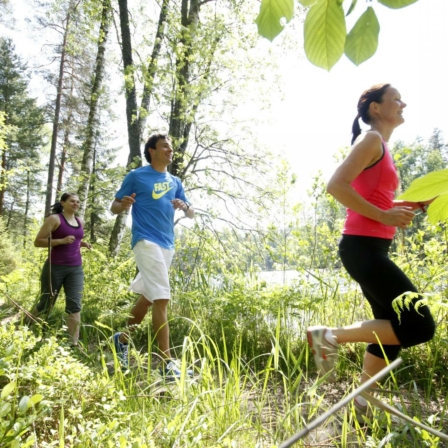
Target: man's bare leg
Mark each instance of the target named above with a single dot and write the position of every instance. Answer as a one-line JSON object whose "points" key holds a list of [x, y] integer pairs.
{"points": [[160, 326], [138, 313]]}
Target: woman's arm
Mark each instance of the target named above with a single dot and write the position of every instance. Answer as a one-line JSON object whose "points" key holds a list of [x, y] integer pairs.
{"points": [[366, 151]]}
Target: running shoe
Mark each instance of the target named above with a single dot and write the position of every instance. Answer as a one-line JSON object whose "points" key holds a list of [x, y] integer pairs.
{"points": [[173, 370], [325, 353], [121, 350]]}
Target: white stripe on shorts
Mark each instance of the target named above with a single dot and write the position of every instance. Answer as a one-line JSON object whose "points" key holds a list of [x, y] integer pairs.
{"points": [[153, 263]]}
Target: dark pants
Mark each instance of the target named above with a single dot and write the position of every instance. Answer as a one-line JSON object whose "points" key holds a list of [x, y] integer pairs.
{"points": [[366, 260], [69, 277]]}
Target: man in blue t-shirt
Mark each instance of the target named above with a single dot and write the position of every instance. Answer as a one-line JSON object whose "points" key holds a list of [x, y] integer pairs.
{"points": [[154, 195]]}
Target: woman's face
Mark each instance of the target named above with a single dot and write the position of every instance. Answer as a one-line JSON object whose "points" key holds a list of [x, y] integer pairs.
{"points": [[391, 107], [71, 204]]}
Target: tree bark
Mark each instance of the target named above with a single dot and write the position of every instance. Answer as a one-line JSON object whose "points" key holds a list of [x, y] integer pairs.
{"points": [[54, 136], [93, 120], [180, 119], [152, 66]]}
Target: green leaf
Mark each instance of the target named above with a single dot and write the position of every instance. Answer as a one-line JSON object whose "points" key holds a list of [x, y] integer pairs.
{"points": [[427, 187], [325, 33], [438, 210], [24, 404], [36, 399], [396, 4], [352, 7], [362, 41], [271, 13], [8, 389], [307, 3]]}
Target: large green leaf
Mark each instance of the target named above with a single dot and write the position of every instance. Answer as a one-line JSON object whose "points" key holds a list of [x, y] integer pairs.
{"points": [[427, 187], [271, 13], [325, 33], [438, 210], [362, 41], [396, 4], [432, 185]]}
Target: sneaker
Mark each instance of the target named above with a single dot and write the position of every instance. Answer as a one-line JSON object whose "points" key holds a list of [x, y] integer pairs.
{"points": [[173, 370], [121, 350], [325, 353]]}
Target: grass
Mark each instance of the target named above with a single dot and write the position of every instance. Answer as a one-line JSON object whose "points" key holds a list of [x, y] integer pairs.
{"points": [[255, 383]]}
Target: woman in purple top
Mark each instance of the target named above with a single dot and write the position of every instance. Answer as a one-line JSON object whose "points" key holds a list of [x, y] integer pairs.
{"points": [[65, 263]]}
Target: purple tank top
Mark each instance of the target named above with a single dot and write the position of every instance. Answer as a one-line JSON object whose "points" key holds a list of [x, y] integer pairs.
{"points": [[67, 254]]}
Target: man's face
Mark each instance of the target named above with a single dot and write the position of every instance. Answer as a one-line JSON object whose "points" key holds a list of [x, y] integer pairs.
{"points": [[163, 153]]}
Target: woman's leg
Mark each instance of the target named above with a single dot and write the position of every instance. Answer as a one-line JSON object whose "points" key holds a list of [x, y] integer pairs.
{"points": [[73, 288]]}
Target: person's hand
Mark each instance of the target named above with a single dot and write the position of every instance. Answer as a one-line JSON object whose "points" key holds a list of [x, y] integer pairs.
{"points": [[127, 201], [178, 204], [68, 239], [398, 217], [86, 245]]}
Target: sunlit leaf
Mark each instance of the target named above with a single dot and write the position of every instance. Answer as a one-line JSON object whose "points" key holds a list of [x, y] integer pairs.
{"points": [[325, 32], [36, 399], [396, 4], [362, 41], [427, 187], [307, 3], [438, 210], [8, 389], [270, 16], [352, 7], [24, 404]]}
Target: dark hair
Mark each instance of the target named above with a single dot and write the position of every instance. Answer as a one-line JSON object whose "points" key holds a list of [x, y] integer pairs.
{"points": [[374, 94], [152, 142], [57, 208]]}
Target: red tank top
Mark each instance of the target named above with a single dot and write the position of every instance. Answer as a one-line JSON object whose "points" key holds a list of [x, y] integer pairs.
{"points": [[376, 184]]}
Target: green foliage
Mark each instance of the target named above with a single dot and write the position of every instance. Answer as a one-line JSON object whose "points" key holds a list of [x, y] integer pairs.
{"points": [[10, 256], [431, 186], [325, 33], [362, 40], [271, 13]]}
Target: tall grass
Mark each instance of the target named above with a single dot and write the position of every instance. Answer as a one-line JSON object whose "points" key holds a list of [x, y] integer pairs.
{"points": [[255, 382]]}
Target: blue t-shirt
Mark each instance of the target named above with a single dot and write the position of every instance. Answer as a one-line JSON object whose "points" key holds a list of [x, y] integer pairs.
{"points": [[152, 212]]}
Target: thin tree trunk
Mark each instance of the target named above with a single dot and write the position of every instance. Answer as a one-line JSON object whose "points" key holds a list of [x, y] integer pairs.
{"points": [[131, 94], [93, 120], [180, 121], [65, 146], [152, 66], [27, 207], [54, 136], [133, 122]]}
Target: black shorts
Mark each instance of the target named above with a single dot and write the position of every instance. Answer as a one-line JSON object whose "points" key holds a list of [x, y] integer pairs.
{"points": [[367, 261]]}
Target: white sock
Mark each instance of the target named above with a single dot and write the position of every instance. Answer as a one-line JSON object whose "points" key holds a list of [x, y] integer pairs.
{"points": [[330, 338]]}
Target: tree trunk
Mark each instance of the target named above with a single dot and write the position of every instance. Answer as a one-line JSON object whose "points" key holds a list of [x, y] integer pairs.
{"points": [[152, 66], [54, 136], [180, 120], [93, 120], [27, 207], [133, 122]]}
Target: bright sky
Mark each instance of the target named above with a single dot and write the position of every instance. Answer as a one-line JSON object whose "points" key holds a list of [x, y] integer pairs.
{"points": [[314, 120], [316, 117]]}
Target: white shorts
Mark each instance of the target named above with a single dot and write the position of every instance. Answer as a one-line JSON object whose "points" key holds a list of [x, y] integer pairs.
{"points": [[153, 263]]}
